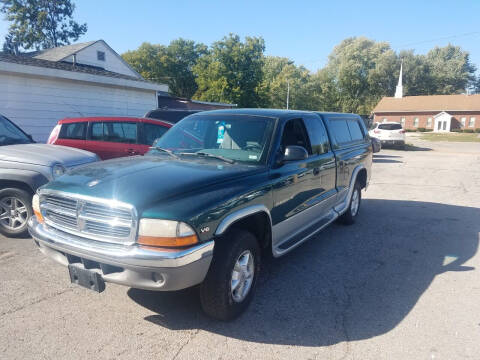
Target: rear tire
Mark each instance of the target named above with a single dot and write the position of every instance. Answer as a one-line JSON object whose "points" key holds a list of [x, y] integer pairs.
{"points": [[349, 216], [15, 210], [230, 283]]}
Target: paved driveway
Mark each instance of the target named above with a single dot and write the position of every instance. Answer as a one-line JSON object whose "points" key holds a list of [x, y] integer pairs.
{"points": [[403, 283]]}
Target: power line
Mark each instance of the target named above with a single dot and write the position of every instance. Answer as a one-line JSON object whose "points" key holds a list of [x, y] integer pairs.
{"points": [[442, 38]]}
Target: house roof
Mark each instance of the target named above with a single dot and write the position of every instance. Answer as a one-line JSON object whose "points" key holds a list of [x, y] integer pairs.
{"points": [[61, 52], [61, 65], [429, 103]]}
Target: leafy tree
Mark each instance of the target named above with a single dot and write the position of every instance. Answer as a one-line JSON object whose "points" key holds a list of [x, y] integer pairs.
{"points": [[417, 76], [232, 71], [327, 97], [363, 71], [172, 64], [180, 58], [451, 70], [10, 46], [279, 74], [147, 61], [40, 24]]}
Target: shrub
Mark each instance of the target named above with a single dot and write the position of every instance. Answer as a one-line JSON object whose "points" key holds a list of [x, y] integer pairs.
{"points": [[421, 129], [470, 131], [457, 130], [477, 130], [410, 130], [428, 130]]}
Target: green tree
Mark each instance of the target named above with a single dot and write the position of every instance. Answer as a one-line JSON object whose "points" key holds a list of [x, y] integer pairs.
{"points": [[40, 24], [327, 97], [417, 76], [232, 71], [279, 74], [179, 59], [451, 70], [172, 64], [363, 71], [146, 60]]}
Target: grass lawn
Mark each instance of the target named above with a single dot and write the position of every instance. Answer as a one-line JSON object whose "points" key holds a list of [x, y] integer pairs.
{"points": [[462, 137]]}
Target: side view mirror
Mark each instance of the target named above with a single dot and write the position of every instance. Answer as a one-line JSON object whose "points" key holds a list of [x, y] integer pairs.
{"points": [[295, 153]]}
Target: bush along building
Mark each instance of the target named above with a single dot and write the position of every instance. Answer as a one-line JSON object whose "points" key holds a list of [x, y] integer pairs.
{"points": [[438, 113]]}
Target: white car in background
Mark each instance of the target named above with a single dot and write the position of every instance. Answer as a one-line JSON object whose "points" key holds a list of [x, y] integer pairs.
{"points": [[389, 133]]}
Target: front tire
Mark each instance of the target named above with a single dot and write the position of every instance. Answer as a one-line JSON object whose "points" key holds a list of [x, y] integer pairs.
{"points": [[349, 217], [15, 210], [230, 283]]}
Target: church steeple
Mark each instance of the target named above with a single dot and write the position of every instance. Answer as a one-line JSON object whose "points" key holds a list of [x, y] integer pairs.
{"points": [[399, 89]]}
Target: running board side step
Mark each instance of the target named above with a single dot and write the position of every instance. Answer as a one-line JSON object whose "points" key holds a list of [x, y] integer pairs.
{"points": [[297, 239]]}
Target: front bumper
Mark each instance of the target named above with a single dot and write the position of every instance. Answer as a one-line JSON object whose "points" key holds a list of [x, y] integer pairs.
{"points": [[126, 265]]}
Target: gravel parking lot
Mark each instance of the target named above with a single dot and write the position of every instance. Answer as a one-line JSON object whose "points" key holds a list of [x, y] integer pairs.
{"points": [[402, 283]]}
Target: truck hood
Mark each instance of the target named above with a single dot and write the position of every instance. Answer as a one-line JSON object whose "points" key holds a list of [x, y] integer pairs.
{"points": [[146, 180], [46, 155]]}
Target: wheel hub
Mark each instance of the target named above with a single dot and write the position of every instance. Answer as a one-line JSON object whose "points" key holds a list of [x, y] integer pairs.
{"points": [[242, 276]]}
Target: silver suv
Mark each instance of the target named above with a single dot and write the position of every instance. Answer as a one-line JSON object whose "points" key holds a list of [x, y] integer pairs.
{"points": [[24, 166]]}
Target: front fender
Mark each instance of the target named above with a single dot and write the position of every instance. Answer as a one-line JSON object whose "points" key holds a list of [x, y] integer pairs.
{"points": [[240, 214], [32, 179]]}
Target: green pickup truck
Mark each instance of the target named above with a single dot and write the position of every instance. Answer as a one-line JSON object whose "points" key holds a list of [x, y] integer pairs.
{"points": [[217, 192]]}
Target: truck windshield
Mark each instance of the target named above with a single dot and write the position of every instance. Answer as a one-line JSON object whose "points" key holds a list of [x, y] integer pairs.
{"points": [[236, 137], [10, 134]]}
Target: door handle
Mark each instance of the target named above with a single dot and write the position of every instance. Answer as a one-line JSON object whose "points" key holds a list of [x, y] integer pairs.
{"points": [[131, 152], [316, 171]]}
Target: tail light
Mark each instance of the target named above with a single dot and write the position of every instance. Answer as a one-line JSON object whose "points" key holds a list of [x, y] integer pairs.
{"points": [[402, 131], [54, 134], [376, 131]]}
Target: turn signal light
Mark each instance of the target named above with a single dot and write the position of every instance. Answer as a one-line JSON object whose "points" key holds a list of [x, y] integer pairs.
{"points": [[167, 242], [36, 208]]}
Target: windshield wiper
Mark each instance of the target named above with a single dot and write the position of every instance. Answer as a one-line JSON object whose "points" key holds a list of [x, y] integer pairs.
{"points": [[169, 152], [204, 154]]}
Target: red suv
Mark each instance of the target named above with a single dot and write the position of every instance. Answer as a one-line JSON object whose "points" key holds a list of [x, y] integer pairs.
{"points": [[109, 137]]}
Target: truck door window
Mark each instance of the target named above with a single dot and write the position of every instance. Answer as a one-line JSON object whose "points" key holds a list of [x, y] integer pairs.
{"points": [[294, 133], [340, 131], [318, 135], [355, 130]]}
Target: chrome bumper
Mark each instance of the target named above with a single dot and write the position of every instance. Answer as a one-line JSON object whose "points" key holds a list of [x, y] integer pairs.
{"points": [[126, 265]]}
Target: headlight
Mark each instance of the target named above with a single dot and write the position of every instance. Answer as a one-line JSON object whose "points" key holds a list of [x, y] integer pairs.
{"points": [[165, 233], [58, 170], [36, 208]]}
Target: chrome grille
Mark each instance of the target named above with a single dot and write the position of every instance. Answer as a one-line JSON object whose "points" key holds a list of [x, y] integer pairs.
{"points": [[92, 218]]}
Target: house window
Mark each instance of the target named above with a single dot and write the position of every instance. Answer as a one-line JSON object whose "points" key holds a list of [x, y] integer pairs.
{"points": [[101, 55], [415, 122], [463, 121], [471, 123], [402, 120], [429, 122]]}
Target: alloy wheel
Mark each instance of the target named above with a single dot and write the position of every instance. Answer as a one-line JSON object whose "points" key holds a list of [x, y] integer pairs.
{"points": [[13, 213], [242, 276]]}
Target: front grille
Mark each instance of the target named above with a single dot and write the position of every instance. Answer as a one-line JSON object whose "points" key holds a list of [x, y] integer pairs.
{"points": [[94, 219]]}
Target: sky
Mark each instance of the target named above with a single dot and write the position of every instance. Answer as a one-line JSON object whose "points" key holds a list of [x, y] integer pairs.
{"points": [[304, 31]]}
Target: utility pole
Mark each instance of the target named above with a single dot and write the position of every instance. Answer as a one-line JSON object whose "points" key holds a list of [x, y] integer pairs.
{"points": [[288, 91]]}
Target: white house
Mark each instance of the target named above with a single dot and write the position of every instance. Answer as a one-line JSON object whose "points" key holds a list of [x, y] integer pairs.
{"points": [[86, 79]]}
